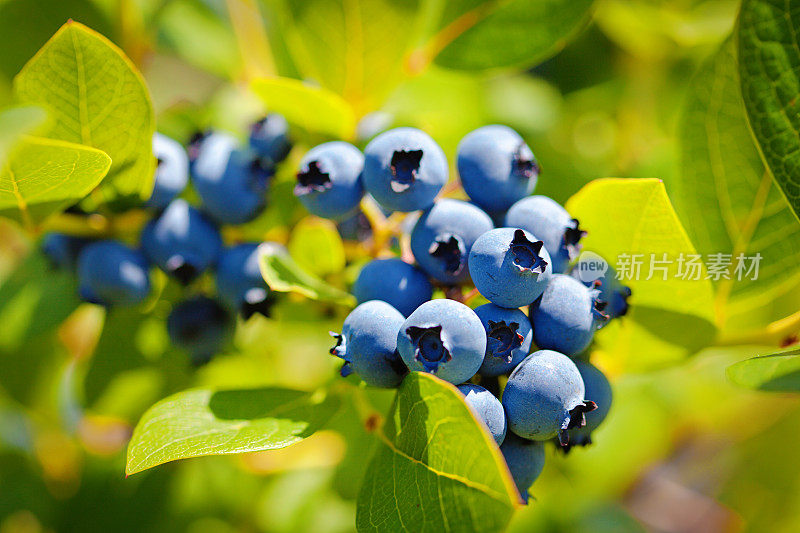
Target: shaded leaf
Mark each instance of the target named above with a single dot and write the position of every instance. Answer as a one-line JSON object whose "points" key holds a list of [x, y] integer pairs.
{"points": [[435, 468], [727, 195], [95, 97], [283, 274], [668, 318], [314, 109], [43, 176], [485, 34], [16, 122], [769, 65], [779, 372], [204, 422], [317, 246]]}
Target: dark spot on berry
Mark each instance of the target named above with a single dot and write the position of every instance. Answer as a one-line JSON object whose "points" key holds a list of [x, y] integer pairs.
{"points": [[404, 166], [312, 179], [450, 250], [526, 253], [503, 339], [523, 166], [431, 350], [572, 237], [184, 272]]}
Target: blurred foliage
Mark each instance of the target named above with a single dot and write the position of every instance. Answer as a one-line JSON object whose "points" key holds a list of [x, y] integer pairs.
{"points": [[606, 90]]}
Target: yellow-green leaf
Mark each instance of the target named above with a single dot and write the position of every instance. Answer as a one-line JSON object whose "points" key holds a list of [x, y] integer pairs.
{"points": [[778, 372], [435, 468], [668, 318], [314, 109], [95, 96], [43, 176], [16, 122], [317, 246]]}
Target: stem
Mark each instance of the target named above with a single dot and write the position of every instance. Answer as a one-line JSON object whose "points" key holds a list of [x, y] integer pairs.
{"points": [[778, 333]]}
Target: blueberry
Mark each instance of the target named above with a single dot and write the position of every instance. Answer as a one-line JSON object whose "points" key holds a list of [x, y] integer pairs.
{"points": [[443, 237], [404, 169], [525, 460], [508, 338], [487, 409], [394, 281], [239, 282], [269, 138], [445, 338], [368, 344], [509, 267], [172, 171], [551, 223], [329, 179], [566, 316], [63, 250], [612, 291], [598, 389], [231, 182], [110, 273], [181, 241], [201, 326], [544, 397], [496, 167]]}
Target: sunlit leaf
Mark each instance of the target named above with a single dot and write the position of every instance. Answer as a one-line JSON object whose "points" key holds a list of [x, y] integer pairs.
{"points": [[632, 220], [16, 122], [435, 468], [779, 372], [206, 422], [43, 176], [317, 246], [769, 65], [95, 96], [283, 274]]}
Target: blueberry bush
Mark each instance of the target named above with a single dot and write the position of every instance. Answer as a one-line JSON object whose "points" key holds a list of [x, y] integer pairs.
{"points": [[372, 265]]}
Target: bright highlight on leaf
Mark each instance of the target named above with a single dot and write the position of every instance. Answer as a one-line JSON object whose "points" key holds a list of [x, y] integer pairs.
{"points": [[769, 65], [95, 96], [283, 274], [435, 465], [16, 122], [316, 246], [779, 372], [634, 217], [43, 176], [314, 109], [205, 422]]}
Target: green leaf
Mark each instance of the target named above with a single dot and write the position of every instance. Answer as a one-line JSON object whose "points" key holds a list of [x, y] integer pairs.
{"points": [[314, 109], [44, 176], [769, 65], [344, 44], [729, 197], [283, 274], [317, 246], [484, 34], [95, 97], [16, 122], [205, 422], [668, 319], [435, 468], [779, 372]]}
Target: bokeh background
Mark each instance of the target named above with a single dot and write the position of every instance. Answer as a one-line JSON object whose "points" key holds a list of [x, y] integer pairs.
{"points": [[683, 448]]}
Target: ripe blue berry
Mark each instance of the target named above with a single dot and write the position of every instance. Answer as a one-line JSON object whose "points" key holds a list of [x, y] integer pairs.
{"points": [[394, 281], [110, 273], [201, 326], [63, 250], [172, 171], [329, 179], [487, 409], [496, 167], [368, 344], [181, 241], [404, 169], [509, 267], [566, 316], [551, 223], [598, 389], [269, 138], [544, 397], [611, 290], [443, 237], [231, 182], [525, 460], [508, 338], [239, 281], [445, 338]]}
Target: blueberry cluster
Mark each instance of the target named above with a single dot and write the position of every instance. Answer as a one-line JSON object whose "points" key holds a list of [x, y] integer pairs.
{"points": [[184, 241], [524, 374]]}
